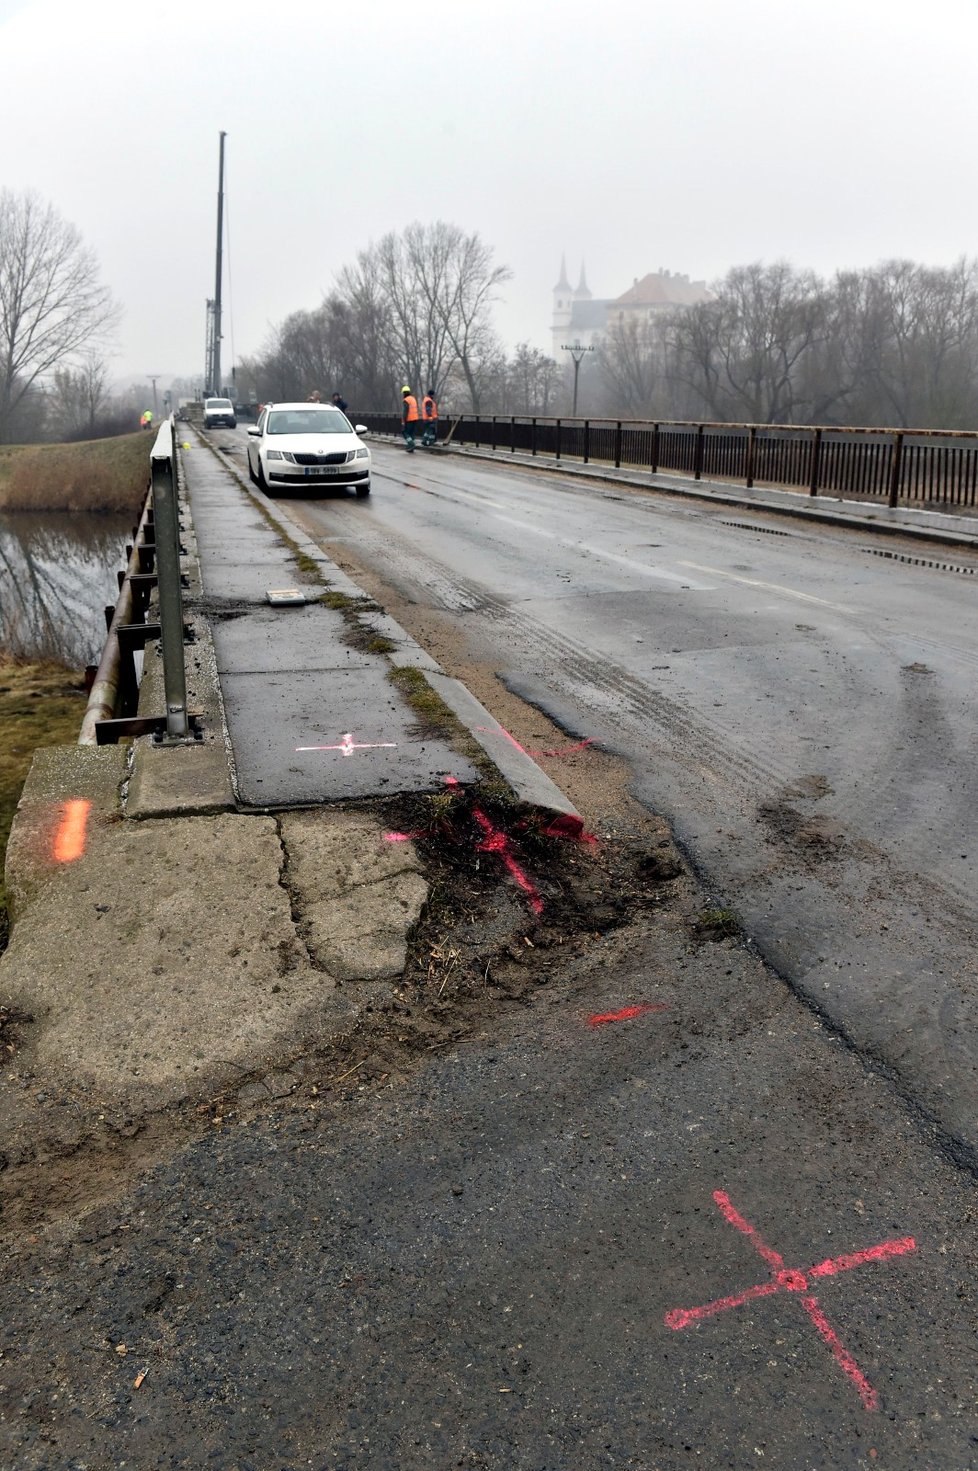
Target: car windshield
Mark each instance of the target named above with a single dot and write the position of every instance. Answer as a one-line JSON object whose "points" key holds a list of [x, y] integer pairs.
{"points": [[307, 421], [218, 403]]}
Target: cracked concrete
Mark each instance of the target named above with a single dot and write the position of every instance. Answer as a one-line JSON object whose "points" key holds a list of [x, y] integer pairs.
{"points": [[172, 956], [358, 896]]}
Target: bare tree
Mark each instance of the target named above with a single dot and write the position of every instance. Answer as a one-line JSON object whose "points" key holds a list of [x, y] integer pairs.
{"points": [[743, 352], [632, 363], [52, 303], [77, 398], [459, 292], [532, 380]]}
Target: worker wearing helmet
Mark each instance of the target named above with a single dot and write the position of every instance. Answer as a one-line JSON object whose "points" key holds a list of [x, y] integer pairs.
{"points": [[410, 417], [429, 416]]}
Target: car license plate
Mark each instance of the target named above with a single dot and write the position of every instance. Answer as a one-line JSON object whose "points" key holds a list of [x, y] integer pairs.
{"points": [[322, 469]]}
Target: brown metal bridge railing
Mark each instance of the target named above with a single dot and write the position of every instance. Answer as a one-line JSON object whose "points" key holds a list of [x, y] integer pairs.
{"points": [[932, 467]]}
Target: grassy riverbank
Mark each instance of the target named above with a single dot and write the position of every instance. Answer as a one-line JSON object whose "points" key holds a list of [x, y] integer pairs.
{"points": [[41, 704], [93, 475]]}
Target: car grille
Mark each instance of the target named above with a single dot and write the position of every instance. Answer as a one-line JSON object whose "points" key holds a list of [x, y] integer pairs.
{"points": [[337, 459]]}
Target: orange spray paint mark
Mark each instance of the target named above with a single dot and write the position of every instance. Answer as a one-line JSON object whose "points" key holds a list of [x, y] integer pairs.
{"points": [[69, 840]]}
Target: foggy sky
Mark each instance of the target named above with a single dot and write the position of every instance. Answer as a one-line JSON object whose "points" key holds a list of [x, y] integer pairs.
{"points": [[633, 135]]}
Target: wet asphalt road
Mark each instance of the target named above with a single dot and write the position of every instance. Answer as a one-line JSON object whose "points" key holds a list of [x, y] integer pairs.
{"points": [[801, 708], [489, 1266], [502, 1262]]}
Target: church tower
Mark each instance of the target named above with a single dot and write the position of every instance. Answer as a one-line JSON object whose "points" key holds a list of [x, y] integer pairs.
{"points": [[562, 306]]}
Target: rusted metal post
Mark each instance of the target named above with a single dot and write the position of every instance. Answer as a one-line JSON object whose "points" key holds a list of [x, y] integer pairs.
{"points": [[698, 461], [653, 468], [896, 467], [749, 467], [587, 441], [512, 435], [618, 445], [493, 432], [557, 442], [533, 436], [816, 458]]}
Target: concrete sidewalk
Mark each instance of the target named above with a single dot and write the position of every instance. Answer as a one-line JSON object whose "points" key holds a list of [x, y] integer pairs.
{"points": [[222, 905]]}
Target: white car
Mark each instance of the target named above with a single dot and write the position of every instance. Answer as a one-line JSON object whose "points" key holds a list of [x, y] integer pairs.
{"points": [[218, 411], [305, 444]]}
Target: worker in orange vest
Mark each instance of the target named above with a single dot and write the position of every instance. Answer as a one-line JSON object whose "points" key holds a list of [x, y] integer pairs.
{"points": [[410, 419], [429, 416]]}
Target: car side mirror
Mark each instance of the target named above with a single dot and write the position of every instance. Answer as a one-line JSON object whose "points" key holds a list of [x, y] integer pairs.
{"points": [[254, 429], [360, 429]]}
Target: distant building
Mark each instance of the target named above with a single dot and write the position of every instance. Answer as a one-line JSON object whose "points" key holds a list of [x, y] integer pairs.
{"points": [[580, 317]]}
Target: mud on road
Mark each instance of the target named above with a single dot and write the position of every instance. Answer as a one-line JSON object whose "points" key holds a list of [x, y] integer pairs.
{"points": [[510, 904]]}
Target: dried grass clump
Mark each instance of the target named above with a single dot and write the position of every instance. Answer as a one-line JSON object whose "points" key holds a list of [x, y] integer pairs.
{"points": [[93, 475]]}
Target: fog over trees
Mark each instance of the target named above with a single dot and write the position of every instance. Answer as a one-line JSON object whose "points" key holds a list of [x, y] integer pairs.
{"points": [[893, 344]]}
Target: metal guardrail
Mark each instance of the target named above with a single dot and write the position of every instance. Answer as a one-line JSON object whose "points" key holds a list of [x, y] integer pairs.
{"points": [[154, 562], [934, 467]]}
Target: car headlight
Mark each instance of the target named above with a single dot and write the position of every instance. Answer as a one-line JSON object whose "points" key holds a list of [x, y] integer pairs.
{"points": [[273, 454], [361, 454]]}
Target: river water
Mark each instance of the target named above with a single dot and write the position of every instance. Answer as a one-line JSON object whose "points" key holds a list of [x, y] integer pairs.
{"points": [[57, 573]]}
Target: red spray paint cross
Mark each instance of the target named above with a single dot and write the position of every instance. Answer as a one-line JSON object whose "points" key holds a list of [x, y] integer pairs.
{"points": [[792, 1279]]}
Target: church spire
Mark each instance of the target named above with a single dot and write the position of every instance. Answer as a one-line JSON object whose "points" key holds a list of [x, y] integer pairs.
{"points": [[563, 284], [582, 286]]}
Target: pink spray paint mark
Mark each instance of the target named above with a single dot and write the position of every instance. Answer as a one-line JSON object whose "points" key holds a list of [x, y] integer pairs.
{"points": [[348, 745], [602, 1018], [497, 842], [793, 1279], [560, 751]]}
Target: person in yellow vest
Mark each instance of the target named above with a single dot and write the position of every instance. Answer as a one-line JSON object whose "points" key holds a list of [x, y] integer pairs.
{"points": [[410, 418], [429, 417], [146, 419]]}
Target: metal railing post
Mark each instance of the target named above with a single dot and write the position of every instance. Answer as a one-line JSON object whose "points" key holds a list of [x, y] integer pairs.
{"points": [[698, 461], [587, 440], [653, 468], [557, 441], [618, 445], [163, 462], [749, 467], [533, 436], [896, 466], [816, 458]]}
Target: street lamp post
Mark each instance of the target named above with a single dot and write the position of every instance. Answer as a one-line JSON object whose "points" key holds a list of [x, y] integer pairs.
{"points": [[577, 351], [152, 377]]}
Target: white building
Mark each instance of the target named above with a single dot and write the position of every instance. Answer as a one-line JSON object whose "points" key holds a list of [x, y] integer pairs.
{"points": [[580, 317]]}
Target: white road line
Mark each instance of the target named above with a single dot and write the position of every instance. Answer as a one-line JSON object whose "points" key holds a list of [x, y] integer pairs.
{"points": [[788, 592]]}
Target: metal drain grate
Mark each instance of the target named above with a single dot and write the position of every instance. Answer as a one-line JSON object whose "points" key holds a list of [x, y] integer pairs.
{"points": [[746, 526], [919, 561]]}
